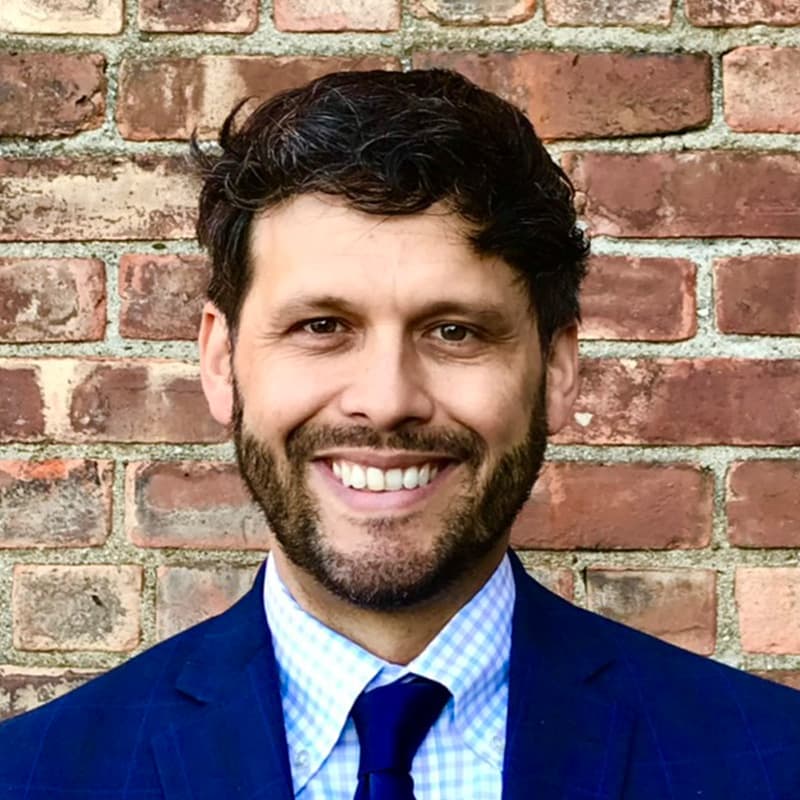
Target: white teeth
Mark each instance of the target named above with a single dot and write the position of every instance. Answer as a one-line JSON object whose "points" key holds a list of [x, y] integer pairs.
{"points": [[393, 479], [410, 478], [358, 478], [424, 475], [378, 480], [374, 479]]}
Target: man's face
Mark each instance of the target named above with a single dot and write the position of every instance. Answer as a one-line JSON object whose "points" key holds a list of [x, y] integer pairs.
{"points": [[389, 398]]}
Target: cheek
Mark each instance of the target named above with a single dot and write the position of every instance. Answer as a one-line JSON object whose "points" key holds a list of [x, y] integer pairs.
{"points": [[497, 406], [279, 396]]}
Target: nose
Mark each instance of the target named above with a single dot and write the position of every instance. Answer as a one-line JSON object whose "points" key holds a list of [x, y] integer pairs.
{"points": [[387, 385]]}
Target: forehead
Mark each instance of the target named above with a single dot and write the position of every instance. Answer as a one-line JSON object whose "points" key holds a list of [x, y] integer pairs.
{"points": [[317, 244]]}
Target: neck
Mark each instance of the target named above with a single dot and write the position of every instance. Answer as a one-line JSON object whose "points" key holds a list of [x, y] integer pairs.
{"points": [[399, 635]]}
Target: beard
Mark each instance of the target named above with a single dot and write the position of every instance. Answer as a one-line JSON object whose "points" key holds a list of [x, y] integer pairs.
{"points": [[387, 574]]}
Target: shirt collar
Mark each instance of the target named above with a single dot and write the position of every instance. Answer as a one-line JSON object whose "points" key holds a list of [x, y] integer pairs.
{"points": [[322, 673]]}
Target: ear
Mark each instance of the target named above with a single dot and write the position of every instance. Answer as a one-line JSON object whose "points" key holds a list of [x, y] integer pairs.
{"points": [[215, 363], [563, 379]]}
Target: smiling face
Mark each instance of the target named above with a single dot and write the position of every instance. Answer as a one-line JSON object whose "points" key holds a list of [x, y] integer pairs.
{"points": [[388, 397]]}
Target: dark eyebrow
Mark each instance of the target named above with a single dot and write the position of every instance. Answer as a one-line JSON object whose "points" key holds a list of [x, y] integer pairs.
{"points": [[489, 315], [303, 305]]}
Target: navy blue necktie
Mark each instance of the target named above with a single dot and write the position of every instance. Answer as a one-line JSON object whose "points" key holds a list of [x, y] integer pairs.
{"points": [[391, 722]]}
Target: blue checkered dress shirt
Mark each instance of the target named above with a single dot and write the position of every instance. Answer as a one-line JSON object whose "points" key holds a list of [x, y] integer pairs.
{"points": [[322, 673]]}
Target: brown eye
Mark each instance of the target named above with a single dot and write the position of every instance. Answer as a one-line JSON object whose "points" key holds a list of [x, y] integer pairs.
{"points": [[322, 326], [453, 333]]}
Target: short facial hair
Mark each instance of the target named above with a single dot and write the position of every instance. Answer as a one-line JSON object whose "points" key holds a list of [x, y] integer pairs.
{"points": [[386, 574]]}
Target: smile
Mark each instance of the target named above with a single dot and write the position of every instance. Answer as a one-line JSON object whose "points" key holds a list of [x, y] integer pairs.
{"points": [[374, 479]]}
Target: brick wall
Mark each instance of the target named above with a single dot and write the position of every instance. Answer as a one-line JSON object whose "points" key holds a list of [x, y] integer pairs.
{"points": [[673, 500]]}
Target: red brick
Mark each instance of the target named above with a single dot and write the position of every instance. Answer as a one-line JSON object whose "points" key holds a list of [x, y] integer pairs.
{"points": [[577, 95], [25, 688], [651, 299], [761, 89], [56, 503], [719, 13], [678, 606], [758, 294], [188, 595], [139, 401], [617, 507], [768, 600], [788, 677], [700, 193], [475, 12], [345, 15], [763, 504], [64, 199], [192, 504], [52, 300], [161, 296], [198, 16], [170, 98], [94, 607], [56, 16], [640, 13], [51, 94], [557, 579], [687, 401], [21, 403]]}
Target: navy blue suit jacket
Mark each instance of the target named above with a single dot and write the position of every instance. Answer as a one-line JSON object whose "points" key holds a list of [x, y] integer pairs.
{"points": [[597, 711]]}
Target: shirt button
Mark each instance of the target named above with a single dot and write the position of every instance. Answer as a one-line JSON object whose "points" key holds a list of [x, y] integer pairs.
{"points": [[498, 742], [301, 759]]}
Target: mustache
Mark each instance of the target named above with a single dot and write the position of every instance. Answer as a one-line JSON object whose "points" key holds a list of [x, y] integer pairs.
{"points": [[307, 440]]}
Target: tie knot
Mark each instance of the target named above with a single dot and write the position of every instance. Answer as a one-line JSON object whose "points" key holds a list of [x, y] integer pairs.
{"points": [[391, 722]]}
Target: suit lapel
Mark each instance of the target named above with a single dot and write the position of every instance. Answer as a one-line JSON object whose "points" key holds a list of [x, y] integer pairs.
{"points": [[565, 737], [234, 746]]}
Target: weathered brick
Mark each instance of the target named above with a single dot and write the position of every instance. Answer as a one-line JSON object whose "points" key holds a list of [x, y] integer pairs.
{"points": [[758, 294], [617, 506], [678, 606], [51, 94], [475, 12], [768, 601], [104, 400], [761, 89], [25, 688], [57, 16], [719, 13], [577, 95], [198, 16], [557, 579], [55, 503], [700, 193], [139, 401], [191, 504], [763, 503], [788, 677], [652, 299], [639, 13], [188, 595], [170, 98], [161, 296], [64, 199], [52, 300], [21, 403], [92, 607], [345, 15], [677, 401], [687, 401]]}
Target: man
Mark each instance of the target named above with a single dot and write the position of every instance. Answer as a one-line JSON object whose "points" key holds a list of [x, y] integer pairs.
{"points": [[391, 334]]}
